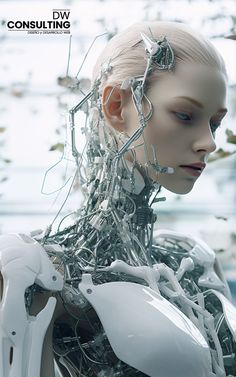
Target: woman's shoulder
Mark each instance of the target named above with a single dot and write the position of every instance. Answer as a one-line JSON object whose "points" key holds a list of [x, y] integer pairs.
{"points": [[185, 253]]}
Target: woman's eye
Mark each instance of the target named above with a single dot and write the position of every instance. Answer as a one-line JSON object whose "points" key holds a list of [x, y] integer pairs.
{"points": [[183, 116], [214, 126]]}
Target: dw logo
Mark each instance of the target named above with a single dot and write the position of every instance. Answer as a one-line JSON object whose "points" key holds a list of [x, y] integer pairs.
{"points": [[60, 13]]}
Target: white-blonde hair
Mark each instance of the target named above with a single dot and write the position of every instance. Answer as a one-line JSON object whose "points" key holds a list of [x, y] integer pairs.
{"points": [[126, 52]]}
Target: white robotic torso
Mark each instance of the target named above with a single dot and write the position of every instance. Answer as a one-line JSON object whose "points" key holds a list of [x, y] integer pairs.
{"points": [[145, 330], [151, 334]]}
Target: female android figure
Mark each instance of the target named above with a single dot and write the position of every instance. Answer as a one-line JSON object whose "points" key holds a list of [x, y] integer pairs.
{"points": [[133, 304]]}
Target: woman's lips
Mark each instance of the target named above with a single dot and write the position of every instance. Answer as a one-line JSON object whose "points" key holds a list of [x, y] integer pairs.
{"points": [[193, 170]]}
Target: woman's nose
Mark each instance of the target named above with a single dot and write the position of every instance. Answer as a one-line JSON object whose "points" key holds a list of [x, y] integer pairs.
{"points": [[205, 141]]}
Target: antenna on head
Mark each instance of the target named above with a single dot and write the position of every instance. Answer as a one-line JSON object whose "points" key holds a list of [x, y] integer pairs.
{"points": [[81, 65], [151, 32]]}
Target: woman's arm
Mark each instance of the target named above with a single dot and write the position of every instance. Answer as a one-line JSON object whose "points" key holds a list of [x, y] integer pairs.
{"points": [[47, 363], [47, 360], [24, 262]]}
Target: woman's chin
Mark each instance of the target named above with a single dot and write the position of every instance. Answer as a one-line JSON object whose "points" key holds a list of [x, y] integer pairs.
{"points": [[180, 189]]}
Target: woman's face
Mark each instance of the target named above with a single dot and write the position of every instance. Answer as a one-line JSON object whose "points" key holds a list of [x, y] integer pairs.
{"points": [[189, 105]]}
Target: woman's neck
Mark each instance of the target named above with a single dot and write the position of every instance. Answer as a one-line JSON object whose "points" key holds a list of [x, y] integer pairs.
{"points": [[118, 218]]}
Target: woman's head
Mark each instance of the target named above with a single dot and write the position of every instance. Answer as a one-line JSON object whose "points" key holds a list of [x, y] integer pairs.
{"points": [[127, 55], [188, 101]]}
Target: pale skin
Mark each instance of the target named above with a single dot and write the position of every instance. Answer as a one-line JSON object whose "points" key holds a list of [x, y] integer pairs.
{"points": [[181, 130]]}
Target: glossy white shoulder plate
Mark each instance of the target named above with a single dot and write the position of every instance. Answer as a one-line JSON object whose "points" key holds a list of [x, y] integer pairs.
{"points": [[146, 331]]}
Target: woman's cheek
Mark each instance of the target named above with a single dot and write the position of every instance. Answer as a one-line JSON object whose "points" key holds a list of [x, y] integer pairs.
{"points": [[163, 132]]}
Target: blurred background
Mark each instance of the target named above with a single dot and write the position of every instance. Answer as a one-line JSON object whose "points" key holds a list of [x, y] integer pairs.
{"points": [[37, 87]]}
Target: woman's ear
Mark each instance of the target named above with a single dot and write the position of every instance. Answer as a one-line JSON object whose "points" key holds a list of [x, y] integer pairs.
{"points": [[112, 101]]}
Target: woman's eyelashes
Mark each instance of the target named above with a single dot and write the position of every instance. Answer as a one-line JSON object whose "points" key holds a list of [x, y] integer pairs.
{"points": [[183, 116], [214, 125]]}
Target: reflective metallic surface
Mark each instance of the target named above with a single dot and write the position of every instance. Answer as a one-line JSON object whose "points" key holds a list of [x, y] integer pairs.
{"points": [[148, 332]]}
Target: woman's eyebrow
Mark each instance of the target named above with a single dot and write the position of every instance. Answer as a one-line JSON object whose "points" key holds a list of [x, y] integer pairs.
{"points": [[200, 105]]}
